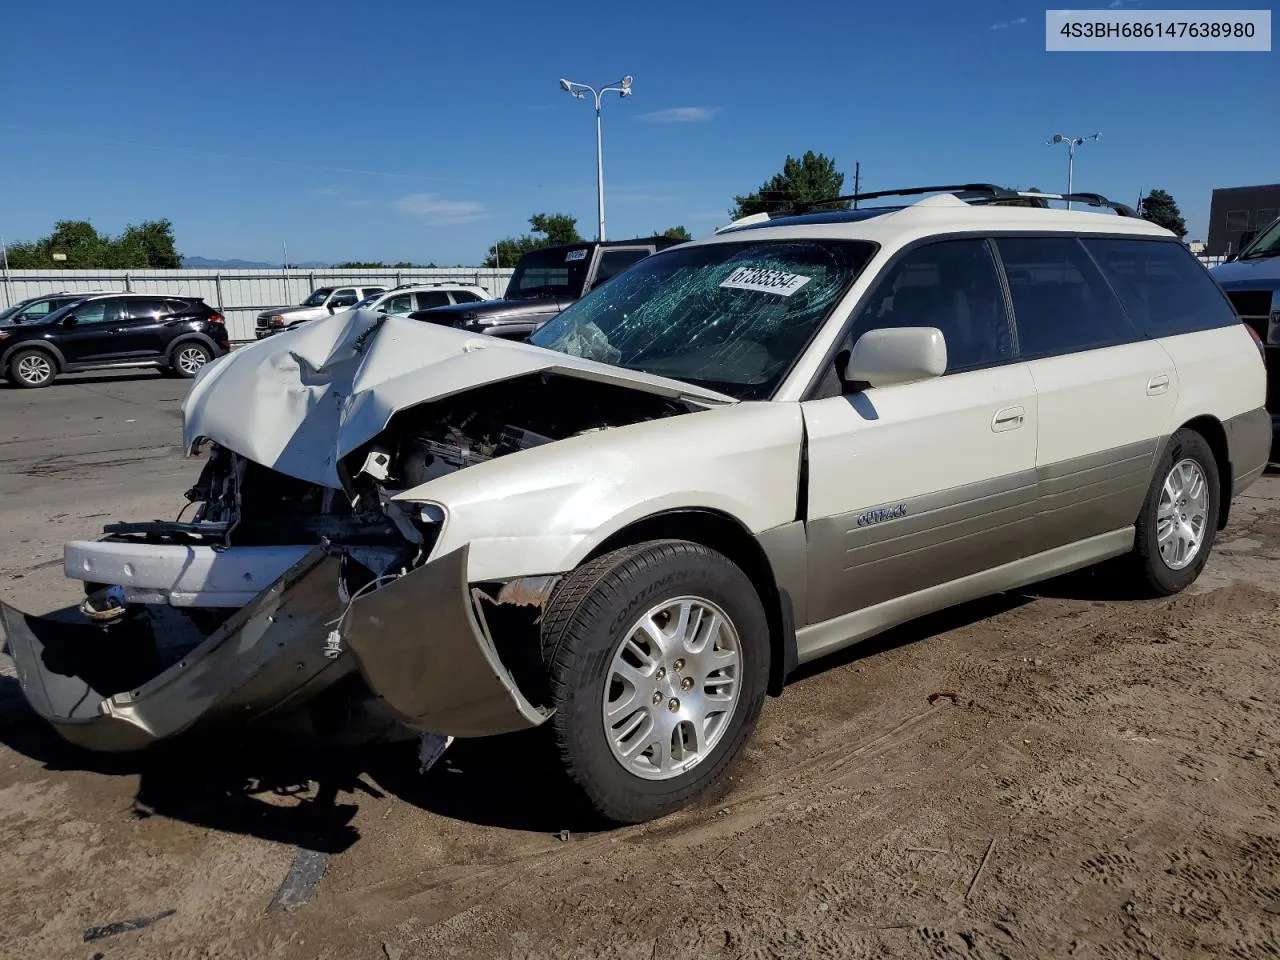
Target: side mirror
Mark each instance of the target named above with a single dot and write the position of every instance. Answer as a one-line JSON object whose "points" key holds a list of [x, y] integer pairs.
{"points": [[70, 320], [331, 307], [882, 358]]}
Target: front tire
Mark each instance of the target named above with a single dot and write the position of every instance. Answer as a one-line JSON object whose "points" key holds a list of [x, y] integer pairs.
{"points": [[658, 658], [31, 369], [1179, 519], [188, 358]]}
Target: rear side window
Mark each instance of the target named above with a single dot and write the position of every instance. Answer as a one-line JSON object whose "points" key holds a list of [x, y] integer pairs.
{"points": [[145, 309], [464, 296], [613, 262], [952, 285], [432, 298], [1163, 287], [180, 306], [1061, 301], [371, 291]]}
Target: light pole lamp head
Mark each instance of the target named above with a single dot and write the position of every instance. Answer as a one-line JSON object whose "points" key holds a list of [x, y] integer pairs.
{"points": [[626, 85], [1057, 137], [565, 85]]}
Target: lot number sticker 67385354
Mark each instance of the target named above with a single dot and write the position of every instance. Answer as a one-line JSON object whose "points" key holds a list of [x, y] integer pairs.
{"points": [[763, 280]]}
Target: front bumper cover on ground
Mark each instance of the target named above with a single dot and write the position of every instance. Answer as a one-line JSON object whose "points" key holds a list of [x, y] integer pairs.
{"points": [[417, 641]]}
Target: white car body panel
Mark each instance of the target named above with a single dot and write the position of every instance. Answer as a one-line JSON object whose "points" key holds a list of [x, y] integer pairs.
{"points": [[1102, 399], [543, 510], [1219, 374]]}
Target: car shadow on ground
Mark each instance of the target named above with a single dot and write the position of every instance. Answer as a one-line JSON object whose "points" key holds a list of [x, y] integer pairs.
{"points": [[301, 792], [305, 793]]}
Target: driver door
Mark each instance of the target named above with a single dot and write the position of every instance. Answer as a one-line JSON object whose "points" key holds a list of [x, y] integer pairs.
{"points": [[95, 336], [915, 485]]}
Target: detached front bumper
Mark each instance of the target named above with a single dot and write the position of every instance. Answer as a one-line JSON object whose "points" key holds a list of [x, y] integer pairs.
{"points": [[424, 654]]}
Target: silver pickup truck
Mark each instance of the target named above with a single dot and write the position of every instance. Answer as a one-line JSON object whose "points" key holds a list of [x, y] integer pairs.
{"points": [[321, 303]]}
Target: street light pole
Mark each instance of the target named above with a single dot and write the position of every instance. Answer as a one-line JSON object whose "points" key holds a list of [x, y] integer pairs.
{"points": [[579, 91], [1072, 143]]}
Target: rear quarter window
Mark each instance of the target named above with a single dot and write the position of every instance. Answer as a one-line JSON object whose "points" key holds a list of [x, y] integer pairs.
{"points": [[1164, 289]]}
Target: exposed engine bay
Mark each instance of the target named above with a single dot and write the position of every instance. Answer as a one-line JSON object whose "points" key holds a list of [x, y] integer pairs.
{"points": [[255, 586], [502, 418]]}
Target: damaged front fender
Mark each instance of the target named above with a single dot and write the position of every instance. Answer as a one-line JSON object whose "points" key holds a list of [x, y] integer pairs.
{"points": [[422, 648]]}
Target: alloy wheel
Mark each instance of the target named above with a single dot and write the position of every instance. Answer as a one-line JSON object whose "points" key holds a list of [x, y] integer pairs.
{"points": [[1182, 513], [672, 688]]}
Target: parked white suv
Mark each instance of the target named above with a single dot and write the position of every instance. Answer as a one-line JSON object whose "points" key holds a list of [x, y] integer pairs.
{"points": [[411, 297], [741, 454]]}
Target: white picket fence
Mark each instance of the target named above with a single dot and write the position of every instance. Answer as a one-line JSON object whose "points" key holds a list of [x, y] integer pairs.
{"points": [[239, 294]]}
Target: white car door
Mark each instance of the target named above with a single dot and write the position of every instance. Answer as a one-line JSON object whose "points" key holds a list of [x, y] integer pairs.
{"points": [[1105, 392], [915, 485]]}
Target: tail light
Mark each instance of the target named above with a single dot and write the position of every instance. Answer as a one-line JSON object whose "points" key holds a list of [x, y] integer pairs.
{"points": [[216, 317], [1257, 342]]}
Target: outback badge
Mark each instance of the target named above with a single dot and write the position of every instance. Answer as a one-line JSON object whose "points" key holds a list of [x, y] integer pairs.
{"points": [[880, 514]]}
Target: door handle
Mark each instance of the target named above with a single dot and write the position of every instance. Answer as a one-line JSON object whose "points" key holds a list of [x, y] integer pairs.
{"points": [[116, 330], [1008, 418], [1158, 385]]}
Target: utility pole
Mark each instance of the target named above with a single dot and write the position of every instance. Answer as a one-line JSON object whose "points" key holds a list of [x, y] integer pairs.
{"points": [[5, 251], [284, 262], [579, 91], [857, 181]]}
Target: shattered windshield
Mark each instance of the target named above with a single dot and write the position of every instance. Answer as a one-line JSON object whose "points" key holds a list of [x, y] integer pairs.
{"points": [[550, 273], [730, 316], [318, 298]]}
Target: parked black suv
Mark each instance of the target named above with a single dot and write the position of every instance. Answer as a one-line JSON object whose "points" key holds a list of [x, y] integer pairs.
{"points": [[176, 334]]}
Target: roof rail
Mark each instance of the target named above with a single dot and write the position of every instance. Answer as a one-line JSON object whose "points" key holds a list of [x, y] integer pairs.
{"points": [[980, 193]]}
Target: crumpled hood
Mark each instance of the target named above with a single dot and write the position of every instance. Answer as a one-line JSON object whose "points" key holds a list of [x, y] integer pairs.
{"points": [[1249, 274], [301, 402]]}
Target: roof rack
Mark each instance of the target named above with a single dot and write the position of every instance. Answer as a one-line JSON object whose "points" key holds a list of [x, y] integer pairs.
{"points": [[978, 193]]}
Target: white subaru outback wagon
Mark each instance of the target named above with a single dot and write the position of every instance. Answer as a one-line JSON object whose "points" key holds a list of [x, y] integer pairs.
{"points": [[741, 454]]}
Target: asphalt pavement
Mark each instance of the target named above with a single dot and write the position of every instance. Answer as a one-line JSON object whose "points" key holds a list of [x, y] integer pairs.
{"points": [[86, 450]]}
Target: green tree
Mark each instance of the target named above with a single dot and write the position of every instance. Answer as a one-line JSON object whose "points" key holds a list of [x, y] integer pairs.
{"points": [[76, 245], [153, 239], [812, 177], [676, 233], [1159, 207], [555, 228], [363, 265]]}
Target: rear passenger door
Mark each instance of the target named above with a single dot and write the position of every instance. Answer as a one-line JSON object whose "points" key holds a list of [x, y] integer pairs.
{"points": [[1105, 392], [918, 484], [143, 334]]}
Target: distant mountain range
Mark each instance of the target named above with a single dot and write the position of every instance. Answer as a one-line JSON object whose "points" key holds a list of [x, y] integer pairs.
{"points": [[204, 263]]}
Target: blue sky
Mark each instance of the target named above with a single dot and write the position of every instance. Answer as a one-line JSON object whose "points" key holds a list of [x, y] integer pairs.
{"points": [[423, 131]]}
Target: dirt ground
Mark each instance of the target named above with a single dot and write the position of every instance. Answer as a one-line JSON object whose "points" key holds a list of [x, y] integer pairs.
{"points": [[1099, 779]]}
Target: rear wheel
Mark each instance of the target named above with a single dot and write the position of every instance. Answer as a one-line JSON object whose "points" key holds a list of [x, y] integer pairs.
{"points": [[658, 657], [1179, 519], [188, 358], [32, 368]]}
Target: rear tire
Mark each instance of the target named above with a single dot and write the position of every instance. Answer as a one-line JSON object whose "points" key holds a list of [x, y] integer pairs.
{"points": [[188, 358], [1179, 520], [31, 369], [658, 659]]}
